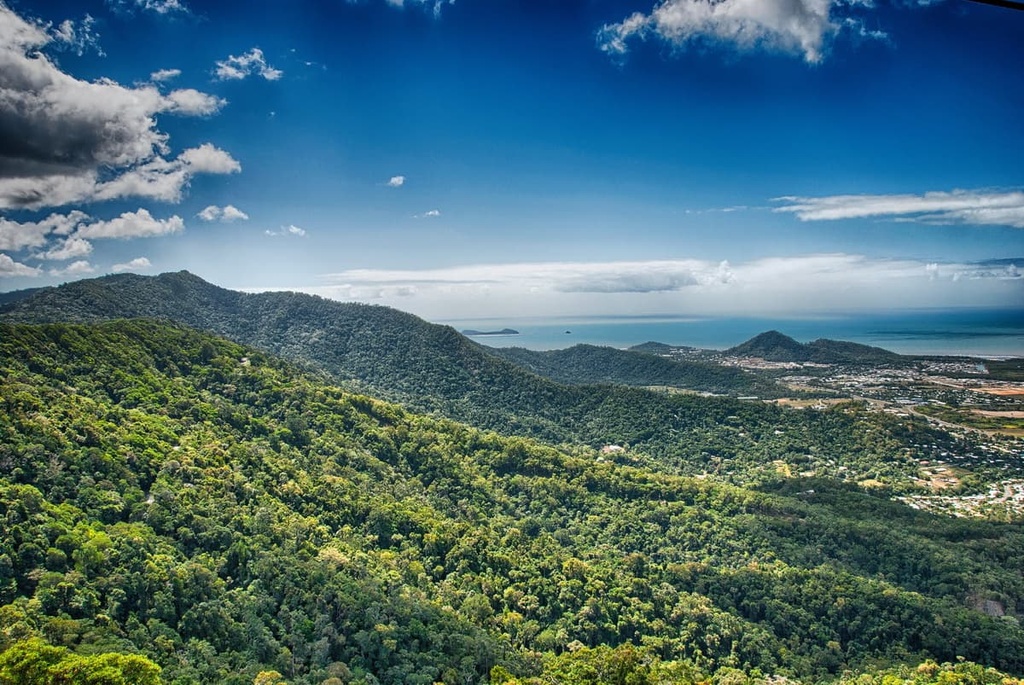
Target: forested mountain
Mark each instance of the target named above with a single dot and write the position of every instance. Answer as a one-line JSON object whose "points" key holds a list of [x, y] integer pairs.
{"points": [[15, 295], [433, 368], [776, 347], [590, 364], [195, 502], [387, 351]]}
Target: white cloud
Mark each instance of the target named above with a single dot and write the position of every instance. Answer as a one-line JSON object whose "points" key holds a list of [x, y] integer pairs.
{"points": [[47, 191], [137, 264], [9, 267], [192, 102], [801, 27], [79, 268], [157, 179], [613, 38], [61, 237], [155, 6], [210, 160], [165, 75], [232, 213], [18, 236], [436, 5], [77, 37], [162, 179], [973, 207], [67, 140], [781, 286], [428, 214], [139, 224], [226, 214], [396, 182], [247, 64], [291, 229], [69, 248]]}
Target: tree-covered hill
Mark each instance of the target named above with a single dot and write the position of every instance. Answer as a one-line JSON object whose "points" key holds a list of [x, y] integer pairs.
{"points": [[777, 347], [178, 496], [590, 364], [433, 368]]}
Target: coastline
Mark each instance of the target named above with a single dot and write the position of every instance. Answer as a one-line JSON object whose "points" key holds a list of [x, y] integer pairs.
{"points": [[976, 333]]}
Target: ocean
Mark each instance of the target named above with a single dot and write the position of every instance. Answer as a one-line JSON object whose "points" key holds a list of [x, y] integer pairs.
{"points": [[983, 333]]}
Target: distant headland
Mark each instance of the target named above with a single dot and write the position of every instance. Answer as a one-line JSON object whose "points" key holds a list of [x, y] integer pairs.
{"points": [[503, 331]]}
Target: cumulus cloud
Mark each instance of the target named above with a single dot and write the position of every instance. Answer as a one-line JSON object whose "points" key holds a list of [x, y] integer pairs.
{"points": [[801, 27], [164, 75], [290, 230], [9, 267], [192, 102], [60, 237], [63, 140], [79, 268], [396, 182], [797, 285], [209, 159], [69, 248], [251, 63], [163, 179], [137, 264], [139, 224], [973, 207], [430, 214], [226, 214], [18, 236]]}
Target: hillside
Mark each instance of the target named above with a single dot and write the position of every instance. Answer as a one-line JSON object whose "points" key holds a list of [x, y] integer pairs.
{"points": [[777, 347], [433, 368], [590, 364], [390, 352], [178, 496], [13, 296]]}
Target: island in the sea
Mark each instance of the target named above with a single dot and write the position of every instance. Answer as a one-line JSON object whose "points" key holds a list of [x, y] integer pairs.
{"points": [[503, 331]]}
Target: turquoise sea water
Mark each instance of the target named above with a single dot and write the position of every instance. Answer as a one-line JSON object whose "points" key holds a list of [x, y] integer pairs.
{"points": [[991, 333]]}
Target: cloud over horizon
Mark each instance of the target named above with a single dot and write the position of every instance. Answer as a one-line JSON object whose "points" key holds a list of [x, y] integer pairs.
{"points": [[977, 207], [768, 286]]}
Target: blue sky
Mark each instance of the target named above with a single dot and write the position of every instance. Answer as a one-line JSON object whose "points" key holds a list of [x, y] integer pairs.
{"points": [[498, 159]]}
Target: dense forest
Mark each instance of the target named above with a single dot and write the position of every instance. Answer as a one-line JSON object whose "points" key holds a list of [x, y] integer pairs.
{"points": [[433, 369], [590, 364], [180, 508]]}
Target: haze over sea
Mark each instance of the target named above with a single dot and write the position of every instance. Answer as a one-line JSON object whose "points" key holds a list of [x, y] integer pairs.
{"points": [[986, 333]]}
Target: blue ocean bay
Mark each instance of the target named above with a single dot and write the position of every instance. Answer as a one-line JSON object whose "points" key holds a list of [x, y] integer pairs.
{"points": [[977, 332]]}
